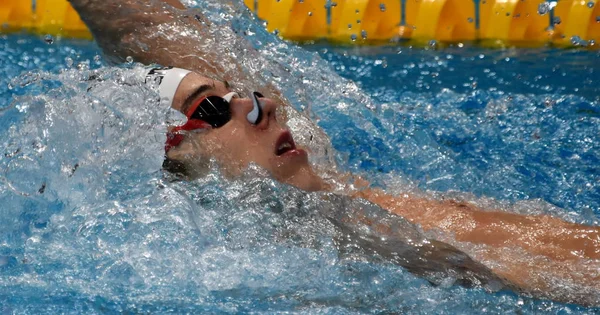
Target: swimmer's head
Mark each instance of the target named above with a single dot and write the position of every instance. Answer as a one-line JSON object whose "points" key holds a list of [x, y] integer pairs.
{"points": [[234, 131]]}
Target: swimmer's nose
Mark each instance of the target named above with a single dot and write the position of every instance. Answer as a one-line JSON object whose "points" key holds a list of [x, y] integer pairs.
{"points": [[255, 109]]}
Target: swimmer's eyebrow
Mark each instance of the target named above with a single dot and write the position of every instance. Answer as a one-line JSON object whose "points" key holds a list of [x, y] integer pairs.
{"points": [[188, 100]]}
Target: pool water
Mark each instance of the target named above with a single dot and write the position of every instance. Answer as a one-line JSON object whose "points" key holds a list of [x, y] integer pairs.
{"points": [[90, 223]]}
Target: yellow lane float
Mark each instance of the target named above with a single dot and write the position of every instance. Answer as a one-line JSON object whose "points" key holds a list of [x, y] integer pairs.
{"points": [[53, 17], [516, 22], [491, 22]]}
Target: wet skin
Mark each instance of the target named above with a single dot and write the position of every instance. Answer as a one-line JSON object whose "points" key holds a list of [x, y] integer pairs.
{"points": [[238, 143]]}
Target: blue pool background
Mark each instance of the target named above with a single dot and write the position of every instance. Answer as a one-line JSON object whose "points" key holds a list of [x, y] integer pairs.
{"points": [[521, 126]]}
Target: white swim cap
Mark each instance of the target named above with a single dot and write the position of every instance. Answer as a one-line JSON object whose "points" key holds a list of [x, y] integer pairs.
{"points": [[168, 80]]}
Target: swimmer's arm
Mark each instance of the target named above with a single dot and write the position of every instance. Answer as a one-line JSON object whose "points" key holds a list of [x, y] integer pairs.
{"points": [[542, 255], [165, 32], [143, 30]]}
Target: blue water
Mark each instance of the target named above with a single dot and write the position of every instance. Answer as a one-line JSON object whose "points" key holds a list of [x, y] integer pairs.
{"points": [[91, 225]]}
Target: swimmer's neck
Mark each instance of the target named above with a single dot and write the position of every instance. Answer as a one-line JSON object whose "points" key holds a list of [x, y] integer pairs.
{"points": [[307, 180]]}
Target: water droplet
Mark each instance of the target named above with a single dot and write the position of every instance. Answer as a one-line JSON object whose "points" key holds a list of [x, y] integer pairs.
{"points": [[129, 59], [590, 4], [556, 20], [301, 1], [353, 37], [363, 34], [598, 19], [98, 59], [577, 41], [276, 32], [470, 20], [357, 21], [382, 7], [349, 26], [49, 39], [83, 66], [329, 4], [544, 8], [433, 43], [357, 10], [69, 62], [309, 13]]}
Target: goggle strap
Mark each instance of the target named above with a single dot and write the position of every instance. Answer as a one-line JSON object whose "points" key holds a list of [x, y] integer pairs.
{"points": [[229, 96]]}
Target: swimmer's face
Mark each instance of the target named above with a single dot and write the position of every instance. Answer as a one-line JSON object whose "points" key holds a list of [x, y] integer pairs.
{"points": [[235, 145]]}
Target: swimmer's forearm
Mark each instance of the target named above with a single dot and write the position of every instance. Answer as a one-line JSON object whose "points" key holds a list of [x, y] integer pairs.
{"points": [[164, 32], [539, 254], [124, 27], [151, 31]]}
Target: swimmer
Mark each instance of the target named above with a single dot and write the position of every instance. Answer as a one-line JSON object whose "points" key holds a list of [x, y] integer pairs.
{"points": [[540, 255]]}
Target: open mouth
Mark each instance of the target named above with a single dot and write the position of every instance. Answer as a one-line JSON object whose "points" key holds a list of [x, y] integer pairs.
{"points": [[285, 143]]}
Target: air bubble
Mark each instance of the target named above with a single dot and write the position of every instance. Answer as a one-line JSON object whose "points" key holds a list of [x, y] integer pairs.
{"points": [[433, 43], [349, 26], [470, 20], [382, 7], [129, 59], [353, 37], [363, 34], [590, 4], [49, 39]]}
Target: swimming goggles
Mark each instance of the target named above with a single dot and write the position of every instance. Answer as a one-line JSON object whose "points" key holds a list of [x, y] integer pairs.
{"points": [[212, 112]]}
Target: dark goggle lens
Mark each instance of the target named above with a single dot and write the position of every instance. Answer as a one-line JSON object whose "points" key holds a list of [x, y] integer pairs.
{"points": [[214, 110]]}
